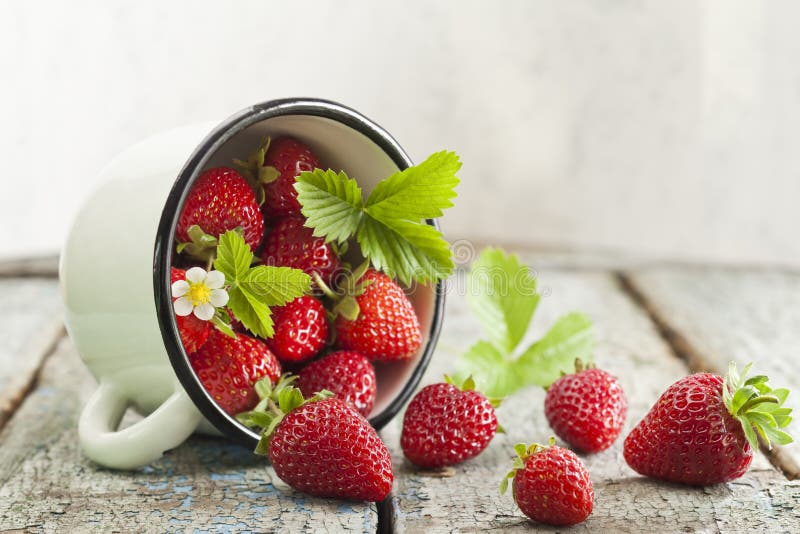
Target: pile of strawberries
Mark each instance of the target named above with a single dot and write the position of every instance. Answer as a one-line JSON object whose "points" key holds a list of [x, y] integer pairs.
{"points": [[324, 350]]}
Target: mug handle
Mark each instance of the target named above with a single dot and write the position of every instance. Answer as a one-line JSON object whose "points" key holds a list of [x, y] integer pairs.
{"points": [[141, 443]]}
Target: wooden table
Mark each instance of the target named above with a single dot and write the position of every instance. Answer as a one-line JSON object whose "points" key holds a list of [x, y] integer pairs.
{"points": [[654, 324]]}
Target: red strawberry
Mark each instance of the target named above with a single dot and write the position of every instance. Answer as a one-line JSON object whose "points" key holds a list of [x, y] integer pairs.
{"points": [[289, 157], [445, 425], [193, 331], [220, 200], [701, 429], [290, 244], [321, 446], [229, 368], [301, 330], [386, 327], [550, 485], [347, 374], [586, 409]]}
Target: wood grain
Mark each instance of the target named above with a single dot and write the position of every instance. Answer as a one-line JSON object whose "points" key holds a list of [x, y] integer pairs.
{"points": [[718, 315], [30, 327], [47, 485], [629, 346]]}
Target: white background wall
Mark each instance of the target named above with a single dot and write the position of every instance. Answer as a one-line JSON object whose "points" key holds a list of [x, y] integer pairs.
{"points": [[662, 129]]}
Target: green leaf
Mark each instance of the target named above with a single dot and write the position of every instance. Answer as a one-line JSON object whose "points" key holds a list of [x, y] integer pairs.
{"points": [[233, 256], [332, 203], [495, 375], [501, 292], [200, 245], [254, 419], [275, 286], [262, 448], [223, 327], [741, 396], [252, 312], [419, 192], [406, 250], [543, 362], [503, 486], [775, 435], [289, 399]]}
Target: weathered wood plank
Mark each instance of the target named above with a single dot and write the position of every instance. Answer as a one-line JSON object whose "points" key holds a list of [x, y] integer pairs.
{"points": [[30, 327], [47, 485], [630, 347], [717, 315]]}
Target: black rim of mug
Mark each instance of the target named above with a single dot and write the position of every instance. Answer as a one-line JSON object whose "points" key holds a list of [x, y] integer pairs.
{"points": [[164, 247]]}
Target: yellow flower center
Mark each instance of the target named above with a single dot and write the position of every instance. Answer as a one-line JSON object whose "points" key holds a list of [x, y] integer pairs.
{"points": [[198, 294]]}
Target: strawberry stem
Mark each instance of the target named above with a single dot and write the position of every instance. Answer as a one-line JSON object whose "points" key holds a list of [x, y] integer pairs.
{"points": [[755, 401]]}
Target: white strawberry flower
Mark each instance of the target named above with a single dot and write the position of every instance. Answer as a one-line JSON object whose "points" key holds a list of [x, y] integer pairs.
{"points": [[201, 292]]}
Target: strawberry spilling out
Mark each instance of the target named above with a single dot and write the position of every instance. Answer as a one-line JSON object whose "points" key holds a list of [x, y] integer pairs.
{"points": [[377, 319], [550, 485], [230, 367], [446, 424], [289, 243], [348, 374], [290, 158], [587, 408], [703, 429], [296, 304], [193, 331], [301, 330], [321, 446], [220, 200]]}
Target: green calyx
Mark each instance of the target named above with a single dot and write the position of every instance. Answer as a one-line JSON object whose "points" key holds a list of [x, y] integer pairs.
{"points": [[523, 453], [469, 385], [275, 401], [757, 407], [201, 246], [254, 171], [222, 322], [344, 301]]}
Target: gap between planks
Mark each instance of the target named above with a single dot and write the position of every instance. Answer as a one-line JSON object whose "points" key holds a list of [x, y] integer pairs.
{"points": [[12, 404], [697, 362]]}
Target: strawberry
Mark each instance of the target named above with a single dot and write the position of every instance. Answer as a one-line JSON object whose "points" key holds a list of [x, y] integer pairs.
{"points": [[220, 200], [445, 424], [193, 331], [377, 319], [550, 485], [702, 430], [229, 367], [289, 157], [321, 446], [347, 374], [301, 330], [290, 244], [586, 409]]}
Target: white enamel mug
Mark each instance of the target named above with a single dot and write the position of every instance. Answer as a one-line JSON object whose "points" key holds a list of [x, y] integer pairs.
{"points": [[115, 277]]}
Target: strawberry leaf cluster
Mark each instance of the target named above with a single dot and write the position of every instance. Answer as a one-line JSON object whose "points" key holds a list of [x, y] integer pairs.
{"points": [[254, 289], [389, 225], [757, 407], [503, 297]]}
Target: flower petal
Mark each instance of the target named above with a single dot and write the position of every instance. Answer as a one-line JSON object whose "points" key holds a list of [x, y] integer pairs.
{"points": [[204, 312], [219, 297], [180, 288], [215, 280], [183, 306], [196, 275]]}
